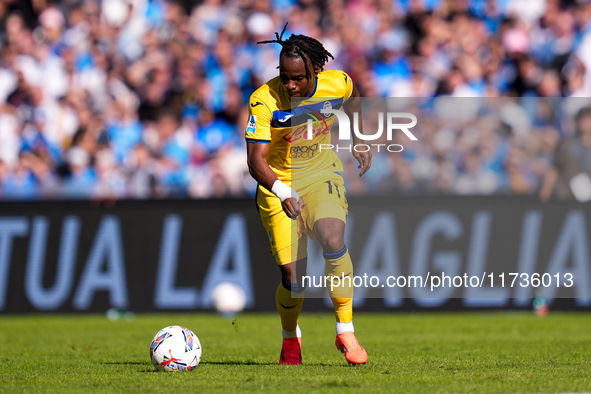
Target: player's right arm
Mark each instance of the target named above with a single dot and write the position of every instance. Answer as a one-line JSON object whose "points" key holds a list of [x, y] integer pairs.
{"points": [[258, 138], [265, 176]]}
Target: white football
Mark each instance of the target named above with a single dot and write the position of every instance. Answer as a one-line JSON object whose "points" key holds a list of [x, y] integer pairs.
{"points": [[175, 348], [228, 298]]}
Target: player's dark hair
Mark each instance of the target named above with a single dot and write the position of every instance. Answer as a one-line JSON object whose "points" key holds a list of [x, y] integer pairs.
{"points": [[301, 46]]}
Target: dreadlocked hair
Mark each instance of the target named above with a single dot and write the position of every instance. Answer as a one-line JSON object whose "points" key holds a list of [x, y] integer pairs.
{"points": [[304, 47]]}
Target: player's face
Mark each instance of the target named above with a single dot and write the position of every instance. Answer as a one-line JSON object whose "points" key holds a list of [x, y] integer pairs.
{"points": [[292, 72]]}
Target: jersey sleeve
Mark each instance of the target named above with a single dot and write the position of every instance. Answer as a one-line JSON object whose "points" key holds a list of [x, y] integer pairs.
{"points": [[348, 85], [258, 129]]}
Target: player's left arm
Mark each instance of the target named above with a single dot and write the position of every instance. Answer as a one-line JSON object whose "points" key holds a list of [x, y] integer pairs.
{"points": [[352, 105]]}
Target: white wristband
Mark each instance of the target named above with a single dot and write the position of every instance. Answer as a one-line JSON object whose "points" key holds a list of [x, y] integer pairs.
{"points": [[283, 191]]}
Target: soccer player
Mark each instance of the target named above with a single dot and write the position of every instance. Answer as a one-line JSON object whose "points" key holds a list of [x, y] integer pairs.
{"points": [[278, 147]]}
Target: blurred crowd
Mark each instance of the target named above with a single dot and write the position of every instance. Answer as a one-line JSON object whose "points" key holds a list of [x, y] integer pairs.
{"points": [[479, 146], [147, 98]]}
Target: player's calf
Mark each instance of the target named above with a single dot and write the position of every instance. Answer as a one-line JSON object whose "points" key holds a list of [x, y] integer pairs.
{"points": [[289, 308]]}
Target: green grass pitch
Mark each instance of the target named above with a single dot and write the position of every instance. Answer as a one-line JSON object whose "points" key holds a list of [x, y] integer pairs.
{"points": [[422, 352]]}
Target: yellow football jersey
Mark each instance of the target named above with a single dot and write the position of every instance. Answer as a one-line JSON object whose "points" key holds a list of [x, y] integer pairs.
{"points": [[273, 121]]}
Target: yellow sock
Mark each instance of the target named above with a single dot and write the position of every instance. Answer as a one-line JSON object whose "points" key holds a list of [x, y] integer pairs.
{"points": [[340, 267], [343, 309], [289, 308]]}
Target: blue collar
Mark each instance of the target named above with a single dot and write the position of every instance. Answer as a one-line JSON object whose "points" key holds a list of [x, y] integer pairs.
{"points": [[315, 86]]}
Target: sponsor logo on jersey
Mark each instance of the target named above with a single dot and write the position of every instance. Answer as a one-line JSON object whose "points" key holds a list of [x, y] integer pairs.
{"points": [[327, 106], [300, 132], [285, 118], [303, 152]]}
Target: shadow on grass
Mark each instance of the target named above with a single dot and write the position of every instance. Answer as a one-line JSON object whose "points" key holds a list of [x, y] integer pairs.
{"points": [[230, 362], [250, 363], [271, 363]]}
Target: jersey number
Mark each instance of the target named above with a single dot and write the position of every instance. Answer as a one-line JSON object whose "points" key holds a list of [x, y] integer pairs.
{"points": [[329, 183]]}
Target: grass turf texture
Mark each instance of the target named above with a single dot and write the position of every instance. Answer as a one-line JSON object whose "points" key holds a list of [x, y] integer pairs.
{"points": [[452, 352]]}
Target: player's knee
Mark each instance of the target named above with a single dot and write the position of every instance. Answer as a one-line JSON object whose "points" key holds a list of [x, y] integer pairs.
{"points": [[288, 272], [289, 278], [330, 232], [332, 243]]}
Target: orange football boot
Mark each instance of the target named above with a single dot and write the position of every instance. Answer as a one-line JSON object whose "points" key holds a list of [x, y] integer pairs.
{"points": [[291, 351], [350, 347]]}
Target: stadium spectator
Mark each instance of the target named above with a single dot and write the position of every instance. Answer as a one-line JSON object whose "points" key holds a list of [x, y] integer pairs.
{"points": [[572, 158]]}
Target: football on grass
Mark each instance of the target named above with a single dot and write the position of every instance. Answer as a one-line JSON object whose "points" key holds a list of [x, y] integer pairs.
{"points": [[175, 348]]}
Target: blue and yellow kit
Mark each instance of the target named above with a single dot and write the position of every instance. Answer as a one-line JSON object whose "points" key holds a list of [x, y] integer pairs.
{"points": [[297, 160]]}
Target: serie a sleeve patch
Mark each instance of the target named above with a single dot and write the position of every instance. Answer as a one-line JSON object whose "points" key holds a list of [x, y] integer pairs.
{"points": [[252, 124]]}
